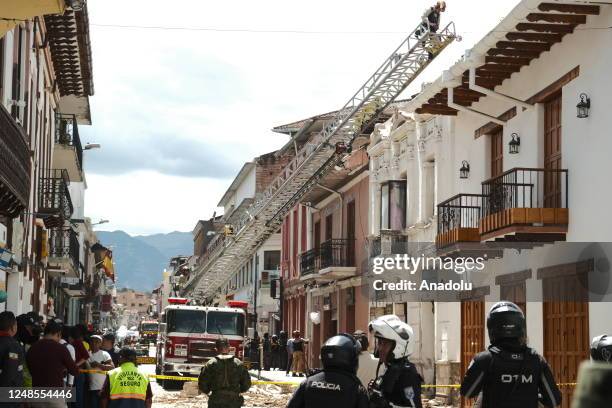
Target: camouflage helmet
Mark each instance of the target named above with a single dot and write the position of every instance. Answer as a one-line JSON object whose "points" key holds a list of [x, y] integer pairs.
{"points": [[594, 389]]}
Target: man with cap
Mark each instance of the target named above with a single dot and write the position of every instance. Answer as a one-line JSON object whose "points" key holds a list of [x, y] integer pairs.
{"points": [[125, 386], [336, 385], [99, 360], [11, 352], [224, 377]]}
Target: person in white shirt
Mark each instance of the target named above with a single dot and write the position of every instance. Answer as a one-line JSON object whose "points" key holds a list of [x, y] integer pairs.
{"points": [[99, 360], [65, 340], [368, 364]]}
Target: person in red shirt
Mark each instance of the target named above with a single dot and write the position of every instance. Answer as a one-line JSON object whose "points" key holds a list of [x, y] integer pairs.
{"points": [[48, 360]]}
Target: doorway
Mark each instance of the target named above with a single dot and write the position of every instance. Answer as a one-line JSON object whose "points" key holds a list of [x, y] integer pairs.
{"points": [[552, 152], [472, 335]]}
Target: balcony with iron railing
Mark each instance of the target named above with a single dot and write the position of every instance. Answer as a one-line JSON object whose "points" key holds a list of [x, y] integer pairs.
{"points": [[523, 202], [53, 195], [64, 251], [333, 258], [458, 219], [526, 205], [68, 153]]}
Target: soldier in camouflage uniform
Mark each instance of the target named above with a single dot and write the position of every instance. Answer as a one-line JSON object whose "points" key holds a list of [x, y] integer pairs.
{"points": [[224, 378]]}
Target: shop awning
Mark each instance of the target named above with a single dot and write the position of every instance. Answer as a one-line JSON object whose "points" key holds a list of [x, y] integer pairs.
{"points": [[25, 10]]}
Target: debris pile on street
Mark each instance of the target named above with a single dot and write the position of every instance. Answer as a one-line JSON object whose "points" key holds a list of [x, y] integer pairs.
{"points": [[267, 395]]}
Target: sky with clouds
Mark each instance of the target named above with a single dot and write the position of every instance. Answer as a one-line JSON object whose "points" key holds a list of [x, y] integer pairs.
{"points": [[179, 111]]}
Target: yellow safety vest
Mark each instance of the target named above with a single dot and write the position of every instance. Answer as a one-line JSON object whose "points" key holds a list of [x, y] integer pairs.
{"points": [[126, 382]]}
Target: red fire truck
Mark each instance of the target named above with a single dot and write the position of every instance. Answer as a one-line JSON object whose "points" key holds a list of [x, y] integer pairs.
{"points": [[188, 334]]}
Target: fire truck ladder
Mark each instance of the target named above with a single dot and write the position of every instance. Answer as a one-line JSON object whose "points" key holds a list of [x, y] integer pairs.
{"points": [[316, 158]]}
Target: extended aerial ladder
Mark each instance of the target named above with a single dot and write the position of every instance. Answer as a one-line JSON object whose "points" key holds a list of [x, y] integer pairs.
{"points": [[316, 158]]}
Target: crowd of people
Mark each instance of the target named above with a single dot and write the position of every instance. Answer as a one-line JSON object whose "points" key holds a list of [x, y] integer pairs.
{"points": [[508, 374], [278, 353], [34, 353]]}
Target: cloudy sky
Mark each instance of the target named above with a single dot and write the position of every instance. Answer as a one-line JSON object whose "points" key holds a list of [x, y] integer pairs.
{"points": [[179, 111]]}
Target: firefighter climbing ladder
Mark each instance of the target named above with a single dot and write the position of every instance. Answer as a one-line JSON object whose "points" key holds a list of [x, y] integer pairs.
{"points": [[316, 158]]}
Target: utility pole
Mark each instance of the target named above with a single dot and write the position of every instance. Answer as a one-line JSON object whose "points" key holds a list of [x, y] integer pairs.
{"points": [[255, 290]]}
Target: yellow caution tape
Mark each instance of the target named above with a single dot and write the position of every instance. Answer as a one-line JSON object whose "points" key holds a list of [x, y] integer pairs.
{"points": [[181, 378]]}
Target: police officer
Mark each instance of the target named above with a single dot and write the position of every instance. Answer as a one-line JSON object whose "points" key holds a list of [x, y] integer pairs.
{"points": [[224, 378], [400, 385], [337, 385], [11, 352], [509, 373], [125, 386], [601, 348]]}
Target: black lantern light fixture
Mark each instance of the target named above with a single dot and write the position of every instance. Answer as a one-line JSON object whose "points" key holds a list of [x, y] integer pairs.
{"points": [[515, 144], [464, 171], [583, 106]]}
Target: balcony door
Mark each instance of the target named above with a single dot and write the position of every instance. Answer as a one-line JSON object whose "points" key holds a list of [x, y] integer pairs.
{"points": [[552, 152], [329, 227], [350, 234], [317, 235], [497, 153]]}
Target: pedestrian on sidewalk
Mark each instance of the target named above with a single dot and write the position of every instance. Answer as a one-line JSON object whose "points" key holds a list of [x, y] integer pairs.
{"points": [[11, 353], [48, 360], [289, 349], [81, 357], [99, 360], [299, 362], [125, 386], [108, 345], [66, 341], [282, 344], [224, 377], [267, 352], [274, 352]]}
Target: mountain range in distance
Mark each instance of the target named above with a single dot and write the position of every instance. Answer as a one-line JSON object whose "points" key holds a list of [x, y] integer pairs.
{"points": [[140, 260]]}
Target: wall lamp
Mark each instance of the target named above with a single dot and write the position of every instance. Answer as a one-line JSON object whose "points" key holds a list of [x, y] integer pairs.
{"points": [[464, 171], [583, 106], [515, 144]]}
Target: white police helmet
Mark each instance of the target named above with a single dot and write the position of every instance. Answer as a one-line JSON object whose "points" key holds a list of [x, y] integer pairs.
{"points": [[390, 327]]}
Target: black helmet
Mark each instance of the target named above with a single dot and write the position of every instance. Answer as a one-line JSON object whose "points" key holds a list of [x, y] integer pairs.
{"points": [[506, 321], [341, 352], [601, 348]]}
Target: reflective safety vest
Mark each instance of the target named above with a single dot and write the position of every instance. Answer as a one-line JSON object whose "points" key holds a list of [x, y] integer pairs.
{"points": [[128, 387]]}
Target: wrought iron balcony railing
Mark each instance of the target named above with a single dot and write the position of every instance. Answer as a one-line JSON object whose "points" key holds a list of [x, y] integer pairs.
{"points": [[67, 134], [64, 244], [525, 188], [337, 252], [460, 211], [309, 262], [53, 195]]}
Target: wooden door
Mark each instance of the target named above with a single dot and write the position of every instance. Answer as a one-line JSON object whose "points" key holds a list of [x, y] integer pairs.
{"points": [[497, 153], [316, 346], [472, 334], [552, 152], [566, 332], [317, 235], [350, 234]]}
